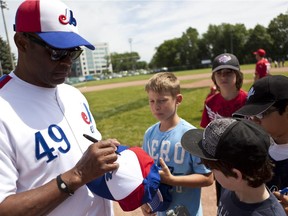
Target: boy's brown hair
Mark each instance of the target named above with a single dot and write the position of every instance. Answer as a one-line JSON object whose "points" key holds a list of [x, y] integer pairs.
{"points": [[163, 82], [255, 176]]}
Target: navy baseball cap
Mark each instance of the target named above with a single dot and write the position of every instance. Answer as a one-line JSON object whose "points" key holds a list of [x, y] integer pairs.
{"points": [[263, 94], [225, 61]]}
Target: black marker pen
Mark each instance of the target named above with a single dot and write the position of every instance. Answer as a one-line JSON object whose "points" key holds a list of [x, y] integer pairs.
{"points": [[92, 139]]}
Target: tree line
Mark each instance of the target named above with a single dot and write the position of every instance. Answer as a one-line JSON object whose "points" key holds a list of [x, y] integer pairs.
{"points": [[191, 49]]}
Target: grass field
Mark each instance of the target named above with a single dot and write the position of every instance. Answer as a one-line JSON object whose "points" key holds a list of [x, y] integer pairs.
{"points": [[123, 113]]}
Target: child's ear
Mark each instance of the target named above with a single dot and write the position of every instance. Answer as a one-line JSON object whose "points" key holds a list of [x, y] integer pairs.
{"points": [[238, 174], [179, 98]]}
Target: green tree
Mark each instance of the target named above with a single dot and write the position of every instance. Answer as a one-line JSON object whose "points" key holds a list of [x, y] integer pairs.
{"points": [[189, 48], [205, 49], [224, 38], [124, 61], [278, 30], [167, 54], [141, 65], [257, 38], [214, 40], [108, 62], [236, 38], [5, 58]]}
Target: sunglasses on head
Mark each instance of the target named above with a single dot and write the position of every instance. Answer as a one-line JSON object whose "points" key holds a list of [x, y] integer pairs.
{"points": [[56, 54]]}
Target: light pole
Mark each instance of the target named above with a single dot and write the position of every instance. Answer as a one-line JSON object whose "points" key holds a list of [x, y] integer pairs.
{"points": [[130, 42], [4, 6]]}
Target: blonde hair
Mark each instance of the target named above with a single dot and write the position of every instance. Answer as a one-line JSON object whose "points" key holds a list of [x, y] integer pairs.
{"points": [[163, 82]]}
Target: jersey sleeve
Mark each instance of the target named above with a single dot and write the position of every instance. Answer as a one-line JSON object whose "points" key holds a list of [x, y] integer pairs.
{"points": [[8, 171]]}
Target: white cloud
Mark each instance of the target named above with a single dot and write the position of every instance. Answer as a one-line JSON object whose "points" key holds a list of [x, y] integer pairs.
{"points": [[148, 23]]}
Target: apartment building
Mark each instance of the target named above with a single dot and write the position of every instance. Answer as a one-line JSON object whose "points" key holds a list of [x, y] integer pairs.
{"points": [[93, 62]]}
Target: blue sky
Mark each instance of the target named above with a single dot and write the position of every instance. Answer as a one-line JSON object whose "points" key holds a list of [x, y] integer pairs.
{"points": [[148, 23]]}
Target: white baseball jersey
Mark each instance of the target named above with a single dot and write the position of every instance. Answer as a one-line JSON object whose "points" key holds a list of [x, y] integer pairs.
{"points": [[41, 136]]}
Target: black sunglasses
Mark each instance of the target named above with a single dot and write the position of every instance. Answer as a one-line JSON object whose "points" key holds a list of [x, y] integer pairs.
{"points": [[56, 54]]}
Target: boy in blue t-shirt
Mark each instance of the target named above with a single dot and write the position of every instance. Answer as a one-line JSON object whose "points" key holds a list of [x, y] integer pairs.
{"points": [[162, 142]]}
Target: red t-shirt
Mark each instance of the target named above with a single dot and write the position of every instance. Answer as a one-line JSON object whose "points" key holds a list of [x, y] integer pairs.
{"points": [[216, 107], [262, 67]]}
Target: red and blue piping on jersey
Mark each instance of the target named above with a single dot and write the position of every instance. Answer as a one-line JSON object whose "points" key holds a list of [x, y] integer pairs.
{"points": [[4, 79]]}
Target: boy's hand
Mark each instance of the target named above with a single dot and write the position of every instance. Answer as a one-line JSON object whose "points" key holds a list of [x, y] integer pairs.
{"points": [[146, 210], [283, 199], [165, 174]]}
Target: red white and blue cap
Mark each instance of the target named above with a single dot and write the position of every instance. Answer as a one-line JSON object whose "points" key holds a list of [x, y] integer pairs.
{"points": [[52, 21], [134, 183]]}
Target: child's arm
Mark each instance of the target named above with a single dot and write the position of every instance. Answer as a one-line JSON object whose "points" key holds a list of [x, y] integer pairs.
{"points": [[283, 200], [192, 180]]}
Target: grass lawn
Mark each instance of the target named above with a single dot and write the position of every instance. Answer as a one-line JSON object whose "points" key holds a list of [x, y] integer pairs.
{"points": [[124, 113]]}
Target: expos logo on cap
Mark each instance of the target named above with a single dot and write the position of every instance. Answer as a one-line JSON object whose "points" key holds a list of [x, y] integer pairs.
{"points": [[52, 21], [67, 18]]}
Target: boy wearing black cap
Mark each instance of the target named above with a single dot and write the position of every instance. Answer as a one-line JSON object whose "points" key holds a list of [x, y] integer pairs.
{"points": [[228, 79], [267, 105], [236, 150]]}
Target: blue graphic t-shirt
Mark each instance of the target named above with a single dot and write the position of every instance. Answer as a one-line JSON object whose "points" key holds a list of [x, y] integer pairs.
{"points": [[167, 146]]}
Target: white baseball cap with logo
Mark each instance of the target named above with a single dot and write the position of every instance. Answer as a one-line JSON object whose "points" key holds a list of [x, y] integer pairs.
{"points": [[52, 21], [134, 183]]}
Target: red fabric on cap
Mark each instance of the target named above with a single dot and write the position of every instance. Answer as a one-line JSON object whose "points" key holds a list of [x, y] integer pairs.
{"points": [[27, 12], [260, 52], [134, 200]]}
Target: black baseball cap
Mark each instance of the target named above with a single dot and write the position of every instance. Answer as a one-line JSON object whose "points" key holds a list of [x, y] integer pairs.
{"points": [[225, 60], [236, 141], [263, 94]]}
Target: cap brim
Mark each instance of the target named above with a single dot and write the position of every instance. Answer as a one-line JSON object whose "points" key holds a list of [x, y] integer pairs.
{"points": [[64, 40], [225, 67], [253, 109], [191, 141]]}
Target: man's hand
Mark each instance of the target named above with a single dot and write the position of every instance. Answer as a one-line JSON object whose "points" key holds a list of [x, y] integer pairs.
{"points": [[98, 159]]}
